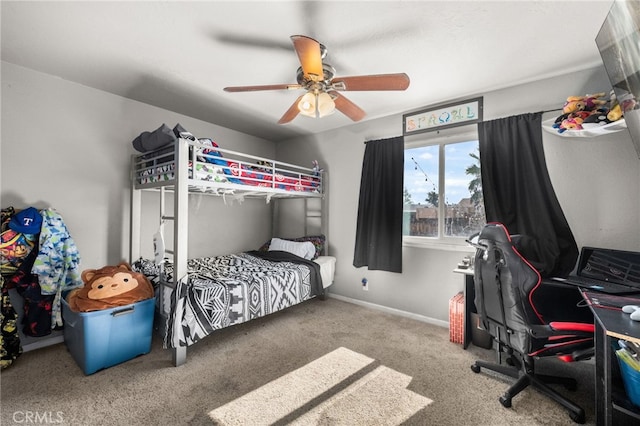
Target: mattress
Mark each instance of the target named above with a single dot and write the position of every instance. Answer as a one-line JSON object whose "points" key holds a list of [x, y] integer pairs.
{"points": [[327, 272], [221, 291]]}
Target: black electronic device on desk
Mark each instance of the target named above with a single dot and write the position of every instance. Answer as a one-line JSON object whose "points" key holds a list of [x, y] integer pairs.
{"points": [[607, 271]]}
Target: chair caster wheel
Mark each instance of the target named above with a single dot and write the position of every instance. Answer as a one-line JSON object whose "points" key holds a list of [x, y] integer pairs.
{"points": [[506, 402], [577, 417], [475, 368]]}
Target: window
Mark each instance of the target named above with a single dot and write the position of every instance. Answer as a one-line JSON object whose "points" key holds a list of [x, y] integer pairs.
{"points": [[442, 167]]}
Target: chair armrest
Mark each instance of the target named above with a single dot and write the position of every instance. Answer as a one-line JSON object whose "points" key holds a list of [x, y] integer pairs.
{"points": [[558, 328], [570, 341], [573, 326]]}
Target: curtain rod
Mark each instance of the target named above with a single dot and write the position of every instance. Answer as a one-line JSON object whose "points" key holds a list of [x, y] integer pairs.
{"points": [[541, 112], [382, 139]]}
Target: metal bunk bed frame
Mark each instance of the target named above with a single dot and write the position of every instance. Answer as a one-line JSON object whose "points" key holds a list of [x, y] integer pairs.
{"points": [[184, 182]]}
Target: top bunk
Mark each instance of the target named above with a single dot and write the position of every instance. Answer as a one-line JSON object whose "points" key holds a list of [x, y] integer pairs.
{"points": [[202, 166]]}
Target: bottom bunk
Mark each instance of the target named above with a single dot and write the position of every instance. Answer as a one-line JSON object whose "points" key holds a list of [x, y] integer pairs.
{"points": [[226, 290]]}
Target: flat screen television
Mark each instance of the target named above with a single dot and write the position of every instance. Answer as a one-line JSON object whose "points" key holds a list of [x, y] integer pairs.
{"points": [[619, 44]]}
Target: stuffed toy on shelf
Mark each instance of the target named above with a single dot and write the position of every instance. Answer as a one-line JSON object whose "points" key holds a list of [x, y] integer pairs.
{"points": [[589, 111]]}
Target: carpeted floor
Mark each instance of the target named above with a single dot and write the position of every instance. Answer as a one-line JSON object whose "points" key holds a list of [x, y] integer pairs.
{"points": [[342, 387], [220, 372]]}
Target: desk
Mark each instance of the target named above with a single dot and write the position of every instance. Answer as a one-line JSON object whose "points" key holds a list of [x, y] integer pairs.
{"points": [[611, 324]]}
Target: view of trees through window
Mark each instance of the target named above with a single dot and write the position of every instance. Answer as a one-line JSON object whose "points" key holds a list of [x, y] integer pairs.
{"points": [[462, 212]]}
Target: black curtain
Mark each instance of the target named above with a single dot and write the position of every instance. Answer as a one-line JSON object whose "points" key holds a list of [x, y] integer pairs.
{"points": [[518, 192], [379, 227]]}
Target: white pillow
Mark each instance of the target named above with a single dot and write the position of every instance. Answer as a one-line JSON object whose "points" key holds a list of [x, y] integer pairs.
{"points": [[304, 249]]}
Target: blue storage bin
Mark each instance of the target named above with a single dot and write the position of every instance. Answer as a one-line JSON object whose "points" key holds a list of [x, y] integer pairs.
{"points": [[104, 338], [630, 378]]}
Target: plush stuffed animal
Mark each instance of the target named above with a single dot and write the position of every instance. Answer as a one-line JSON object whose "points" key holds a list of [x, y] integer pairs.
{"points": [[604, 114], [598, 117], [614, 113], [628, 104], [583, 103], [109, 287], [585, 112], [615, 109], [571, 121]]}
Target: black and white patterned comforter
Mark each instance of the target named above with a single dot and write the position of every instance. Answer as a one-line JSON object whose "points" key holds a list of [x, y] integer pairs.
{"points": [[231, 289]]}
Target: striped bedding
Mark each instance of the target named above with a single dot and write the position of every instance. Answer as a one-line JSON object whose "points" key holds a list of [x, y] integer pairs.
{"points": [[225, 290]]}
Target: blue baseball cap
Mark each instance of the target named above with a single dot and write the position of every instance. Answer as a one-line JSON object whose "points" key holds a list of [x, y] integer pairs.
{"points": [[27, 221]]}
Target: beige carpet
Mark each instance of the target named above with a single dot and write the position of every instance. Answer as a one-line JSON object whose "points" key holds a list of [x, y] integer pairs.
{"points": [[417, 357], [378, 398]]}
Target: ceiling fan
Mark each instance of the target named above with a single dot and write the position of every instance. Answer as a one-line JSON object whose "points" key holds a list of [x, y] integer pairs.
{"points": [[323, 95]]}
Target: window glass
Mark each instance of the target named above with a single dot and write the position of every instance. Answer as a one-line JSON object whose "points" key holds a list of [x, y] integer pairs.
{"points": [[421, 191], [448, 171], [464, 213]]}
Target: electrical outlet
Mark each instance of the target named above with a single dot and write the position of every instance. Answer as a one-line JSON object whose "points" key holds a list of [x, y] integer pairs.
{"points": [[365, 284]]}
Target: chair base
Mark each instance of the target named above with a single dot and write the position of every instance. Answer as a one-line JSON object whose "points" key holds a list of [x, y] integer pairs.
{"points": [[525, 378]]}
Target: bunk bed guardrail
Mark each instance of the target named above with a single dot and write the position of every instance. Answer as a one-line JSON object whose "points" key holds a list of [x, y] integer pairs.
{"points": [[218, 171]]}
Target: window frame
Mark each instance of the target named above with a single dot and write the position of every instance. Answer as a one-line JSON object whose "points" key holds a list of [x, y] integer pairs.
{"points": [[440, 138]]}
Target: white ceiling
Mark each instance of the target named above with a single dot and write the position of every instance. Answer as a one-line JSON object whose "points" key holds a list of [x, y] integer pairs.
{"points": [[180, 55]]}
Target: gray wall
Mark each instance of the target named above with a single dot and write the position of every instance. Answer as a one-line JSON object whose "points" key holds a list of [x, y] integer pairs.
{"points": [[68, 147], [596, 182]]}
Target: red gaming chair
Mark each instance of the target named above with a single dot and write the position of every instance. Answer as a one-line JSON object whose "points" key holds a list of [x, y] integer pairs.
{"points": [[506, 285]]}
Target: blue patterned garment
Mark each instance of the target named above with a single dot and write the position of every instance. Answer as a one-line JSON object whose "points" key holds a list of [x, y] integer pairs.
{"points": [[58, 261]]}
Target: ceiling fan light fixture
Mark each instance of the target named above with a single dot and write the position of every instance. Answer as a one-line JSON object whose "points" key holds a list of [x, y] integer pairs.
{"points": [[316, 105], [325, 105], [307, 105]]}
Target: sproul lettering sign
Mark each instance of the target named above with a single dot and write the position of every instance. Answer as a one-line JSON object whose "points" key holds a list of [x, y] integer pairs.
{"points": [[439, 117]]}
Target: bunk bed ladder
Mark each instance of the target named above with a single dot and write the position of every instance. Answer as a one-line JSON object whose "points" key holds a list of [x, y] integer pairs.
{"points": [[178, 246], [315, 218], [175, 249], [180, 230], [314, 213]]}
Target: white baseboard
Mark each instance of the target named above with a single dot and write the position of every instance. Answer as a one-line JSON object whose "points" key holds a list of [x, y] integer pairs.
{"points": [[391, 310]]}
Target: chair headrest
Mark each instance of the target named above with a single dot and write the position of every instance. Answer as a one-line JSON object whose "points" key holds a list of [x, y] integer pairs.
{"points": [[495, 232]]}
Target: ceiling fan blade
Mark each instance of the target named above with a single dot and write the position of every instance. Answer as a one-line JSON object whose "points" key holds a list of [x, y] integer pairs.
{"points": [[347, 107], [372, 82], [310, 56], [291, 113], [265, 87], [245, 40]]}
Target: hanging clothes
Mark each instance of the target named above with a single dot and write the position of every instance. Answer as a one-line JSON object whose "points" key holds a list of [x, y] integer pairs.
{"points": [[10, 348], [36, 319], [15, 246], [19, 247], [58, 262]]}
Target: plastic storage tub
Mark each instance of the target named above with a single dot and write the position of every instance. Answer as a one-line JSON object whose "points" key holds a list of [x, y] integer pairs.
{"points": [[104, 338], [630, 378]]}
